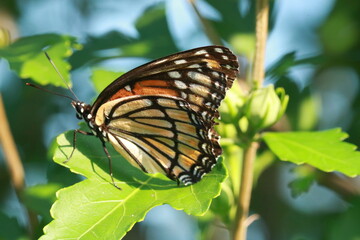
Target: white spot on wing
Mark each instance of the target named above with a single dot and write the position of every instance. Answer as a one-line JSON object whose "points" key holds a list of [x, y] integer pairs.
{"points": [[194, 66], [215, 74], [225, 57], [128, 88], [219, 50], [199, 77], [200, 52], [181, 61], [180, 84], [183, 95], [213, 96], [174, 74]]}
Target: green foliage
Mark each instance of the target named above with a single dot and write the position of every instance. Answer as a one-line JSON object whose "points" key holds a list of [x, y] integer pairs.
{"points": [[346, 225], [39, 198], [27, 59], [10, 228], [94, 207], [154, 41], [102, 78], [305, 177], [323, 150]]}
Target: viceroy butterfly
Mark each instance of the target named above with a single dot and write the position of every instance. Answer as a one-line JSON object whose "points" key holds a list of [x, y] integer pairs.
{"points": [[161, 116]]}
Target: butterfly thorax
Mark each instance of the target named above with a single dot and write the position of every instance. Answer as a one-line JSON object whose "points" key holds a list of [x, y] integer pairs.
{"points": [[83, 111]]}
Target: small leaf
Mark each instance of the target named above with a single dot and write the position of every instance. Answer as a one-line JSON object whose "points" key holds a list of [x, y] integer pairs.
{"points": [[94, 207], [26, 57], [287, 61], [102, 78], [323, 150], [305, 177]]}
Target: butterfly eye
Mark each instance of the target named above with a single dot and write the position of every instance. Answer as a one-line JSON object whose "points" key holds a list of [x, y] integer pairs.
{"points": [[78, 116]]}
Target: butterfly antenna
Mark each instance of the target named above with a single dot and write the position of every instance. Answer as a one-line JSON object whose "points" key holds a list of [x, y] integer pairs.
{"points": [[48, 91], [62, 78]]}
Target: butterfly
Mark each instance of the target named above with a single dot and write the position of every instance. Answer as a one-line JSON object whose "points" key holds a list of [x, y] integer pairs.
{"points": [[161, 116]]}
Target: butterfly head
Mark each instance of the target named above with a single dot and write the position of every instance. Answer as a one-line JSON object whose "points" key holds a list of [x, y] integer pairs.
{"points": [[82, 110]]}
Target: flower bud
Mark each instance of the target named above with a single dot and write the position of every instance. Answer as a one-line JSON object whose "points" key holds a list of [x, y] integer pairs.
{"points": [[265, 106]]}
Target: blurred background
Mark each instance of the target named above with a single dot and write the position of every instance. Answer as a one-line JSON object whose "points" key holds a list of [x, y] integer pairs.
{"points": [[313, 52]]}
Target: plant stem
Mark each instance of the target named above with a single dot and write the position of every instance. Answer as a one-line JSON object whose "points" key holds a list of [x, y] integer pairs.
{"points": [[258, 74], [245, 191], [262, 16], [14, 164], [207, 26]]}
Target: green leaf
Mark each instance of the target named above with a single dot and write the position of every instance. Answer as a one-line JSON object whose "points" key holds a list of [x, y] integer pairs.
{"points": [[305, 177], [289, 60], [102, 78], [230, 11], [94, 207], [39, 198], [26, 57], [154, 41], [323, 150]]}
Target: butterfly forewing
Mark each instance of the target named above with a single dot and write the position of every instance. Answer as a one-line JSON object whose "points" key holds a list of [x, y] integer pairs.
{"points": [[200, 76]]}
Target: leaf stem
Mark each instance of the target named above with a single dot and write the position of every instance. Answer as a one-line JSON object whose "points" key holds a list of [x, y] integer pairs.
{"points": [[245, 191], [207, 26], [14, 164], [262, 16]]}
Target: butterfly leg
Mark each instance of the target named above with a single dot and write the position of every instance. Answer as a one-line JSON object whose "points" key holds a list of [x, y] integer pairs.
{"points": [[110, 166], [74, 142]]}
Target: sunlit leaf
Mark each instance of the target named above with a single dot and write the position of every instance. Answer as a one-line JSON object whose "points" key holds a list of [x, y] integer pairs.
{"points": [[323, 150], [26, 57], [102, 78], [94, 207]]}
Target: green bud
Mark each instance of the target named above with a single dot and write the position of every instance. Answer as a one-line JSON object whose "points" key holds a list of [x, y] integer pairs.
{"points": [[265, 106]]}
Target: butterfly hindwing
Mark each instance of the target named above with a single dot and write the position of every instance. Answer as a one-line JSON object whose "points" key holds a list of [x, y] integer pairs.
{"points": [[159, 133]]}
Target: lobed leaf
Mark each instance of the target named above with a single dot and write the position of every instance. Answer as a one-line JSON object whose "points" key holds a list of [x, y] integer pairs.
{"points": [[26, 57], [323, 150], [94, 208]]}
